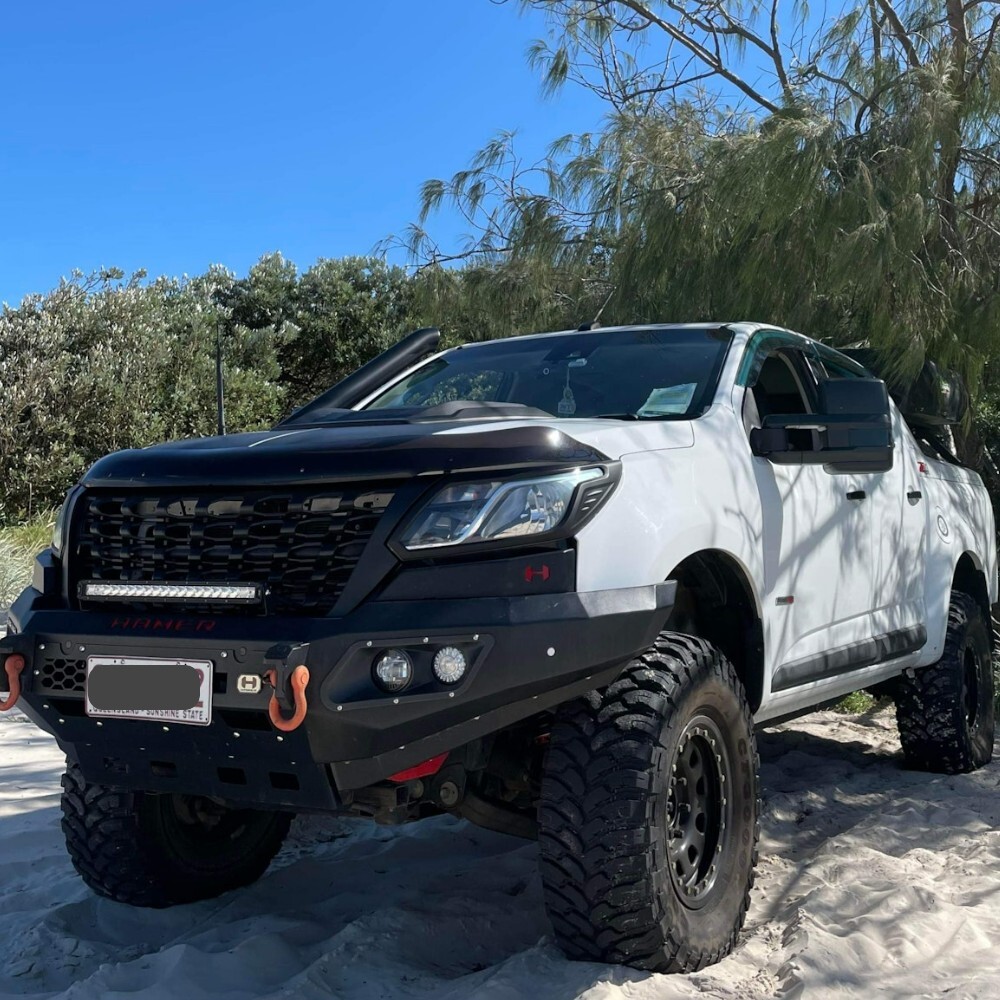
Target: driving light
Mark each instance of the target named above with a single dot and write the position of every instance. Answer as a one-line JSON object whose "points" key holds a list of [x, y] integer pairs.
{"points": [[495, 510], [449, 665], [393, 670], [209, 592]]}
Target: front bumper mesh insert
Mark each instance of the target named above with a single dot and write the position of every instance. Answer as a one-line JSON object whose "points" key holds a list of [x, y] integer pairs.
{"points": [[61, 675]]}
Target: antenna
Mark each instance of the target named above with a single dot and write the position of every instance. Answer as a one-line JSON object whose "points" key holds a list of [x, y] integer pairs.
{"points": [[595, 323], [220, 399]]}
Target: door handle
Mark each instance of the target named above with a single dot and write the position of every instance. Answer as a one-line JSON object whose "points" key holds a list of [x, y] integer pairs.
{"points": [[856, 495], [914, 496]]}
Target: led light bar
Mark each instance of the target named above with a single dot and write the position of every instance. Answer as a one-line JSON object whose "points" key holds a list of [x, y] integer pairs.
{"points": [[212, 593]]}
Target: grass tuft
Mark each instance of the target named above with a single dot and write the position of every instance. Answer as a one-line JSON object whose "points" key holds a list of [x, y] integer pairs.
{"points": [[856, 703], [18, 547]]}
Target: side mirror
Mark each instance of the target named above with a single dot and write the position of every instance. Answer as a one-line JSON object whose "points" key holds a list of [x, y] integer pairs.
{"points": [[852, 432]]}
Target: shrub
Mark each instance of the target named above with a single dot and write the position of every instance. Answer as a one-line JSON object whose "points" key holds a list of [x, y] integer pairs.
{"points": [[18, 548]]}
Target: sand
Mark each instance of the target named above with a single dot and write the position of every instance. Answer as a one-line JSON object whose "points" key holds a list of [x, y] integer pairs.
{"points": [[874, 882]]}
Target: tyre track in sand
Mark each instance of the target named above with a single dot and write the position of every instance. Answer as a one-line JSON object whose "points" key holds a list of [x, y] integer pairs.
{"points": [[873, 882]]}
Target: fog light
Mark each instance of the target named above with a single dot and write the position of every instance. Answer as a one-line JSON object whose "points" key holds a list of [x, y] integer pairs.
{"points": [[393, 670], [450, 665]]}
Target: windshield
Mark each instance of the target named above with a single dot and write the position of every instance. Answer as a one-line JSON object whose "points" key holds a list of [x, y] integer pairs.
{"points": [[643, 373]]}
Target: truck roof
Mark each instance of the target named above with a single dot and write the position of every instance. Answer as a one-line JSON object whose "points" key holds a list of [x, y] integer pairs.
{"points": [[739, 327]]}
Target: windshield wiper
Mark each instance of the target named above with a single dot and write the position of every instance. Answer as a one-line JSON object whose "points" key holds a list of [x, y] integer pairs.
{"points": [[475, 409], [641, 416]]}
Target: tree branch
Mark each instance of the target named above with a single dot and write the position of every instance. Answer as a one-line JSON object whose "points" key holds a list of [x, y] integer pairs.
{"points": [[899, 30], [987, 47], [713, 61], [960, 39], [779, 63], [876, 35]]}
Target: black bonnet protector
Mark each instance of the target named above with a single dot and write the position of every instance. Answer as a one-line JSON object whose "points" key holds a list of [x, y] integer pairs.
{"points": [[375, 451]]}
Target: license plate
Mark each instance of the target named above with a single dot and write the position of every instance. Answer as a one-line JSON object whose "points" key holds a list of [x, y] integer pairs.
{"points": [[136, 687]]}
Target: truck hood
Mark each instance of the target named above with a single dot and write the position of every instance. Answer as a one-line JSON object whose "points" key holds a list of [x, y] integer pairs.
{"points": [[383, 450]]}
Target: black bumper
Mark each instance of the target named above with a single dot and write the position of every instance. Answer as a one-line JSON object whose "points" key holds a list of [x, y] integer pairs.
{"points": [[525, 653]]}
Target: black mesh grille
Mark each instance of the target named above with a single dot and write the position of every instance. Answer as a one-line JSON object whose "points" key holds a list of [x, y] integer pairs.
{"points": [[301, 546], [61, 674]]}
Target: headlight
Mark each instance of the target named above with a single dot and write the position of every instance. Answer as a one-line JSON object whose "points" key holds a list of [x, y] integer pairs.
{"points": [[495, 510], [59, 528]]}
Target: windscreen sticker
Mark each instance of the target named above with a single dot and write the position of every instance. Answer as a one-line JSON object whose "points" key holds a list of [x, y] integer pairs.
{"points": [[567, 405], [668, 401]]}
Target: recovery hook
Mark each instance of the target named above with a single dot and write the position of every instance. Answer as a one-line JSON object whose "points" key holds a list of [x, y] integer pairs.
{"points": [[298, 680], [13, 665]]}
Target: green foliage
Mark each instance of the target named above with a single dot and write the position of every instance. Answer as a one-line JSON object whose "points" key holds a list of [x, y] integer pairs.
{"points": [[483, 302], [856, 703], [18, 548], [98, 365], [844, 182], [101, 363], [346, 311], [330, 319]]}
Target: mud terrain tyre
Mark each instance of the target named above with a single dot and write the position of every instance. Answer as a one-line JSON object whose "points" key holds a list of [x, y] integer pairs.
{"points": [[648, 822], [160, 850], [945, 712]]}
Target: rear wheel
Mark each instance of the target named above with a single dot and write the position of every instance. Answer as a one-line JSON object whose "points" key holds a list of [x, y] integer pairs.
{"points": [[649, 813], [159, 850], [945, 712]]}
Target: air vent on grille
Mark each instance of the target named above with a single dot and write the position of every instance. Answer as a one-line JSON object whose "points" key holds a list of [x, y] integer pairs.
{"points": [[592, 496], [300, 546]]}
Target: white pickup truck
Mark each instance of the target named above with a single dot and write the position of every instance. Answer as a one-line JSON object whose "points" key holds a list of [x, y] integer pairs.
{"points": [[550, 583]]}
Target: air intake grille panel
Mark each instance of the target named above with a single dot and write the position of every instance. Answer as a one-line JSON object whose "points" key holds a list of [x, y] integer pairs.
{"points": [[301, 547]]}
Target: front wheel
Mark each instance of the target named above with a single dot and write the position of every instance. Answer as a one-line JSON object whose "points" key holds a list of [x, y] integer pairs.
{"points": [[159, 850], [648, 822]]}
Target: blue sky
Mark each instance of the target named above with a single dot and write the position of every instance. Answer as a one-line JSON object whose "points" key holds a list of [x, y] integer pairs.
{"points": [[172, 136]]}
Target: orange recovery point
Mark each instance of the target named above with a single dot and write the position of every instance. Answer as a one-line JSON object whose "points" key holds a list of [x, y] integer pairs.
{"points": [[13, 666], [298, 680]]}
